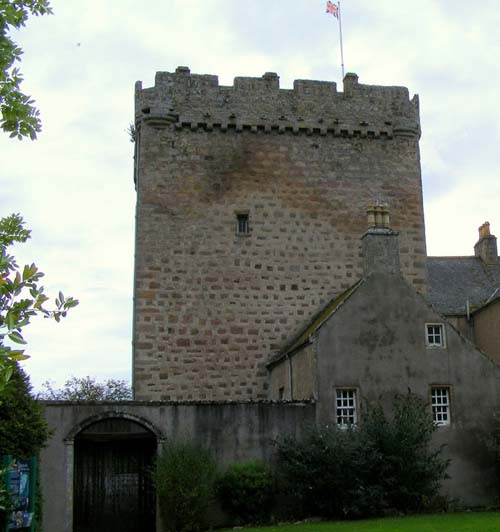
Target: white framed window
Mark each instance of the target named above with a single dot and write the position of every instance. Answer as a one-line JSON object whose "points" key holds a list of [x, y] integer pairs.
{"points": [[346, 411], [435, 335], [440, 401], [242, 223]]}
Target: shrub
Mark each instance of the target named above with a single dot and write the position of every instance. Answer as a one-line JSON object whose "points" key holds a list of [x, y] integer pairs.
{"points": [[246, 492], [493, 445], [383, 464], [407, 468], [322, 472], [185, 482]]}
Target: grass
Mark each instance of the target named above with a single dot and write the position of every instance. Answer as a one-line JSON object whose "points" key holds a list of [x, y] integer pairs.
{"points": [[459, 522]]}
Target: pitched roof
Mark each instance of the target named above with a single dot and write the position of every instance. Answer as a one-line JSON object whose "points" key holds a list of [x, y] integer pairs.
{"points": [[315, 324], [455, 280]]}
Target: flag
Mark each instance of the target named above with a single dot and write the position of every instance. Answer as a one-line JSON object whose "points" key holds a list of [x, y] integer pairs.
{"points": [[332, 9]]}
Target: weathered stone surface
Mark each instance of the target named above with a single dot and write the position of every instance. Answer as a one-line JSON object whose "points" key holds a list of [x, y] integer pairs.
{"points": [[211, 307]]}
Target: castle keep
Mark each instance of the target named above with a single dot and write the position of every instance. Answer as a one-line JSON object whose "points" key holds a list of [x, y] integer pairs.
{"points": [[251, 201], [267, 300]]}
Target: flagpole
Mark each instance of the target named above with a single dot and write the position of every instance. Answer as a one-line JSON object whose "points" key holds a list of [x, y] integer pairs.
{"points": [[341, 45]]}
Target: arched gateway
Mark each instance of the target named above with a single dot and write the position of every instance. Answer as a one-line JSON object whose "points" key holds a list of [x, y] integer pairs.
{"points": [[112, 483]]}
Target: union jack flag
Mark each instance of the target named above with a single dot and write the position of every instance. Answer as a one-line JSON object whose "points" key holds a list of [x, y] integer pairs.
{"points": [[332, 9]]}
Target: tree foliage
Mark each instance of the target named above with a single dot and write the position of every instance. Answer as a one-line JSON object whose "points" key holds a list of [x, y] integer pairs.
{"points": [[87, 389], [21, 297], [23, 429], [383, 465], [19, 116]]}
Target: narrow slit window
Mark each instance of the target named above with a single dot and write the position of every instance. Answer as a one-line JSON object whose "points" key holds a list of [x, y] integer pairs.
{"points": [[242, 224]]}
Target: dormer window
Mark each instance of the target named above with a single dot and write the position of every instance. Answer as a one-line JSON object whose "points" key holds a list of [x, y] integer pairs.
{"points": [[242, 224], [434, 335]]}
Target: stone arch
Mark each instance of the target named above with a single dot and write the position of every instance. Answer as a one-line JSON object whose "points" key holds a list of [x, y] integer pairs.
{"points": [[120, 465], [87, 422]]}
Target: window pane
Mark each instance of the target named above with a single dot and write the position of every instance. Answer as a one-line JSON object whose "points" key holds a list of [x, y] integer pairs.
{"points": [[346, 407], [434, 333], [440, 398]]}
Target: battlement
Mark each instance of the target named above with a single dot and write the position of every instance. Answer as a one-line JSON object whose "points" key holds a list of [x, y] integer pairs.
{"points": [[198, 101]]}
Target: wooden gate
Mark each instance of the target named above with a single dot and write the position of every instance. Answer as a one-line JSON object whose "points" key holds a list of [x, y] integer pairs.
{"points": [[113, 489]]}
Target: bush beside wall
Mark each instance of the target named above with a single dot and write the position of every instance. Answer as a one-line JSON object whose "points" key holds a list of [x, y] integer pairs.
{"points": [[246, 491], [384, 465], [185, 481]]}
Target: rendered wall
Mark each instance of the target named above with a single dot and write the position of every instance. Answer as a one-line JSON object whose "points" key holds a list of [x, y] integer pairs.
{"points": [[211, 308], [487, 330], [232, 431], [462, 326], [375, 342]]}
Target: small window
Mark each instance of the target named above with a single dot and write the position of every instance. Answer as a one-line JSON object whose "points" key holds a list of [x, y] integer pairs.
{"points": [[346, 408], [242, 224], [440, 400], [281, 393], [434, 335]]}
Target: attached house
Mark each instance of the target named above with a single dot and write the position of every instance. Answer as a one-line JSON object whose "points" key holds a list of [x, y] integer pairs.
{"points": [[380, 338], [467, 291]]}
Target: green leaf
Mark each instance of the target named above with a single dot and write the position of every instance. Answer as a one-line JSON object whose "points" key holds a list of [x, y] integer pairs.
{"points": [[19, 357], [70, 303], [17, 338], [11, 320], [7, 374]]}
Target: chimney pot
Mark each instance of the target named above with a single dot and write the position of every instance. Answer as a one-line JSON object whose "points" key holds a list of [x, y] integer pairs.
{"points": [[386, 221], [484, 230], [378, 216], [486, 246], [371, 216]]}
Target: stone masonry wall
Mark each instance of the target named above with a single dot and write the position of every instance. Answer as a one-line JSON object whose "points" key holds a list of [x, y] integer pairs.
{"points": [[212, 307]]}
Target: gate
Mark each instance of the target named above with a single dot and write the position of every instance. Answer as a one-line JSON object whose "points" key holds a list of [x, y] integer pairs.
{"points": [[113, 488]]}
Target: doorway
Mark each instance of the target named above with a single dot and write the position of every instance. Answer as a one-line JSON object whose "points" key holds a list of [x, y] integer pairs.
{"points": [[113, 485]]}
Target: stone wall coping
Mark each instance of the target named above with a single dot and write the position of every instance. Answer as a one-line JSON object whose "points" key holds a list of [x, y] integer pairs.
{"points": [[175, 403]]}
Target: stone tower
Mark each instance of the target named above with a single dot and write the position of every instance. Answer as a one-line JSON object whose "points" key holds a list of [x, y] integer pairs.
{"points": [[251, 201]]}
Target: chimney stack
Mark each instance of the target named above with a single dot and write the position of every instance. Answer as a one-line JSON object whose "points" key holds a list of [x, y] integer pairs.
{"points": [[380, 242], [486, 246]]}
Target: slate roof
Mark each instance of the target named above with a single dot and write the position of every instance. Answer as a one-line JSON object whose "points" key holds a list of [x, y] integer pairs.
{"points": [[454, 280]]}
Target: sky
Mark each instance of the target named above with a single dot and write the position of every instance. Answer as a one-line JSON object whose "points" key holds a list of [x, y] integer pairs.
{"points": [[74, 184]]}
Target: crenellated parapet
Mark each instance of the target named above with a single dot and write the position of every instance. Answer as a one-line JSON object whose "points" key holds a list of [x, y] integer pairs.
{"points": [[184, 100]]}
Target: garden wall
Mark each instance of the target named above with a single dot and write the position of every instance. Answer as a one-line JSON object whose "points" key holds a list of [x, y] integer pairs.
{"points": [[233, 431]]}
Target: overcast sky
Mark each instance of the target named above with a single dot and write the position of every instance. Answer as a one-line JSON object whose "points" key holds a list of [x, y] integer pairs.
{"points": [[74, 184]]}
